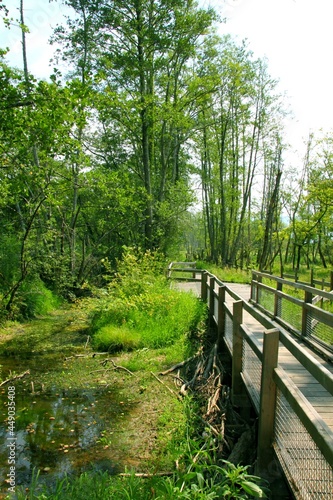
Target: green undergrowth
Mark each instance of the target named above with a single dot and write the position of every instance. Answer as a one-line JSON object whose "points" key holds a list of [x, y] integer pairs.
{"points": [[141, 311], [32, 300], [226, 274], [152, 328]]}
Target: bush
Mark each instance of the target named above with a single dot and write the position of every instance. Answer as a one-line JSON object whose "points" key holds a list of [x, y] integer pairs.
{"points": [[143, 309], [115, 338], [34, 299]]}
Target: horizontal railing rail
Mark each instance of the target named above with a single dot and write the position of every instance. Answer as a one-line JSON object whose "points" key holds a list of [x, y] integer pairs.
{"points": [[176, 269], [323, 283]]}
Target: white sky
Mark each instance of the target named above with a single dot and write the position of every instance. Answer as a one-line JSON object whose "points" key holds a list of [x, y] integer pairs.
{"points": [[296, 36]]}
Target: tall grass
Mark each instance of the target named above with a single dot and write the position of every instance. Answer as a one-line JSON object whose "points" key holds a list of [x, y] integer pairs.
{"points": [[141, 310], [226, 274]]}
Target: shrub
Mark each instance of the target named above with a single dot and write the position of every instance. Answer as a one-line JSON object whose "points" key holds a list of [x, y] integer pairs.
{"points": [[35, 299], [141, 301], [114, 338]]}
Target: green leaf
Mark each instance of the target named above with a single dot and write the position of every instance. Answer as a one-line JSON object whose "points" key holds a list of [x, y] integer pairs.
{"points": [[253, 489]]}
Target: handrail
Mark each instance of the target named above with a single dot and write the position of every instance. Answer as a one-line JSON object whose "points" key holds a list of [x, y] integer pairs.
{"points": [[321, 434], [183, 267], [313, 324], [297, 284], [319, 372]]}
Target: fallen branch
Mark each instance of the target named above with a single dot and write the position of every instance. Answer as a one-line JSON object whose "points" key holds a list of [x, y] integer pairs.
{"points": [[145, 474], [77, 356], [15, 377], [210, 361], [90, 355], [115, 367], [161, 382], [178, 365]]}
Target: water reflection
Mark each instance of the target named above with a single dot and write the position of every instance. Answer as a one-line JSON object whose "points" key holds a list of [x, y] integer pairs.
{"points": [[59, 432]]}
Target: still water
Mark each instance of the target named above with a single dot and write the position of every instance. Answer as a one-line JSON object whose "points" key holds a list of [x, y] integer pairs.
{"points": [[57, 431]]}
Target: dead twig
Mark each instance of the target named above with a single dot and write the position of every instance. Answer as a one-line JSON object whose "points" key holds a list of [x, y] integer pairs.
{"points": [[161, 382], [115, 367], [15, 377], [145, 474]]}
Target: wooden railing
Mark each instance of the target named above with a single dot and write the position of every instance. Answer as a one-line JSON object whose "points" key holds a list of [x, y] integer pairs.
{"points": [[322, 283], [180, 268], [290, 427], [298, 310]]}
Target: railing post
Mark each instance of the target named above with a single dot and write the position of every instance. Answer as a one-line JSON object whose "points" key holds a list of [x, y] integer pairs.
{"points": [[169, 270], [278, 301], [267, 401], [220, 317], [211, 300], [305, 314], [258, 294], [252, 287], [204, 287], [331, 281], [237, 353]]}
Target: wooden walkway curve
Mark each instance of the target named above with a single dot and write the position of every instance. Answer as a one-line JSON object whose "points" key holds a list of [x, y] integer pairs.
{"points": [[302, 430]]}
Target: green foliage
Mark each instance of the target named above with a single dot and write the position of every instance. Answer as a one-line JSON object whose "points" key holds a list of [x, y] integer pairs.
{"points": [[34, 299], [116, 338], [141, 310], [9, 260], [202, 480], [225, 273]]}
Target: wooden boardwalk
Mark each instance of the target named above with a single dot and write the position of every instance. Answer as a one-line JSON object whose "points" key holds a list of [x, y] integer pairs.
{"points": [[302, 429], [319, 398]]}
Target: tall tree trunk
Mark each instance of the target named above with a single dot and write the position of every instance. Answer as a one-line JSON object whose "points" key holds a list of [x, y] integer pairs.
{"points": [[269, 223], [145, 129]]}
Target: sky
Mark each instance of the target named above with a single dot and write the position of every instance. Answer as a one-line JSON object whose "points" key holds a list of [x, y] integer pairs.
{"points": [[295, 36]]}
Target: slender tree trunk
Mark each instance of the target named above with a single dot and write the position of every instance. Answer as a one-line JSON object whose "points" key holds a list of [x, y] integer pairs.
{"points": [[322, 256], [269, 223], [145, 132]]}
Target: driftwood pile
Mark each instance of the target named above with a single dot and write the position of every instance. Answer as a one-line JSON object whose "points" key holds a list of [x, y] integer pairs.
{"points": [[203, 375]]}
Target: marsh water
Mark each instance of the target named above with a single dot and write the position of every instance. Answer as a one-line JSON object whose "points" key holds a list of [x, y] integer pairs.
{"points": [[60, 421]]}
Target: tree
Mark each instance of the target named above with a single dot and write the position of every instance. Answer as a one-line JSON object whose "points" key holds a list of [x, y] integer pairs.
{"points": [[144, 93], [236, 123]]}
